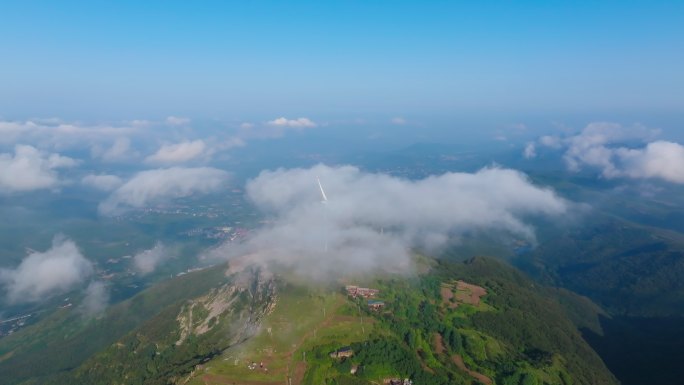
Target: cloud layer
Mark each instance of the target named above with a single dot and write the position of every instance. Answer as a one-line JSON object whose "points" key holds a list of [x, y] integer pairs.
{"points": [[275, 128], [160, 185], [371, 221], [30, 169], [660, 159], [124, 143], [43, 274], [119, 151], [179, 152], [96, 298], [147, 261], [293, 123], [619, 152]]}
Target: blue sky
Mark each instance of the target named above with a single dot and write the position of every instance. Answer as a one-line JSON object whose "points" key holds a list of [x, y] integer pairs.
{"points": [[345, 59]]}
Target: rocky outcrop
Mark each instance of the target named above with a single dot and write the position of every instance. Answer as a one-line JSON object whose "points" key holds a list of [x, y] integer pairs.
{"points": [[242, 303]]}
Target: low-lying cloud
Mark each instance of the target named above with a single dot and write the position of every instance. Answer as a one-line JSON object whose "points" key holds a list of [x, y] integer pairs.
{"points": [[134, 141], [43, 274], [179, 152], [618, 152], [273, 129], [96, 298], [30, 169], [530, 151], [54, 133], [370, 222], [120, 150], [293, 123], [660, 159], [147, 261], [160, 185]]}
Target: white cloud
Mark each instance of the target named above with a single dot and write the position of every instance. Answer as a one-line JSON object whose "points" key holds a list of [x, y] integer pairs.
{"points": [[147, 261], [102, 182], [124, 141], [231, 142], [179, 152], [293, 123], [30, 169], [55, 134], [96, 298], [11, 132], [619, 152], [660, 159], [371, 221], [530, 151], [160, 185], [177, 121], [275, 128], [43, 274], [551, 141], [59, 161], [120, 150], [398, 121]]}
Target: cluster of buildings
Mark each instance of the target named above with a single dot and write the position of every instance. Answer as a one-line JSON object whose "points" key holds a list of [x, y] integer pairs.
{"points": [[367, 293], [355, 291], [343, 352], [375, 304]]}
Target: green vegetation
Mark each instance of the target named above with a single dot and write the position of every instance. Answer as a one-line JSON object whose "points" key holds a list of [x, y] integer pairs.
{"points": [[529, 319], [512, 332], [165, 348], [302, 319], [66, 338], [626, 268], [518, 334]]}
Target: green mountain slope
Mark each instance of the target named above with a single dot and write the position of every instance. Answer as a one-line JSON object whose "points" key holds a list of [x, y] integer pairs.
{"points": [[480, 321], [171, 343], [628, 269], [66, 338], [518, 334]]}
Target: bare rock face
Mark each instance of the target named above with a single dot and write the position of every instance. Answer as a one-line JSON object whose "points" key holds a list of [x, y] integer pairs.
{"points": [[241, 303]]}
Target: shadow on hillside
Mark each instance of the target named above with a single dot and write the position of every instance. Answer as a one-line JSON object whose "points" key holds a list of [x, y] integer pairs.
{"points": [[641, 350]]}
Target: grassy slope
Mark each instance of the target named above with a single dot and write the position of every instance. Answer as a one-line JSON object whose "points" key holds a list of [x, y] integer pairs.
{"points": [[520, 334], [531, 318], [297, 323]]}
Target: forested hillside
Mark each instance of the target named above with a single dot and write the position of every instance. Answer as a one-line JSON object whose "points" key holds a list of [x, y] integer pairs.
{"points": [[628, 269]]}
